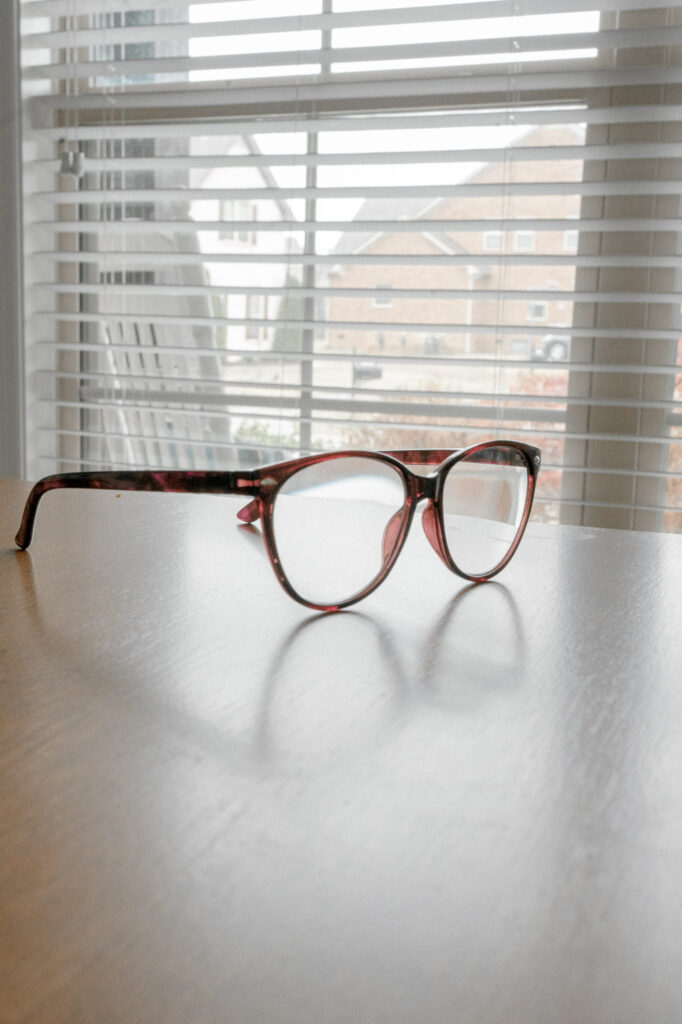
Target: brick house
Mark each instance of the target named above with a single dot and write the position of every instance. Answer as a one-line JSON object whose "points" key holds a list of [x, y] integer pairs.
{"points": [[468, 322]]}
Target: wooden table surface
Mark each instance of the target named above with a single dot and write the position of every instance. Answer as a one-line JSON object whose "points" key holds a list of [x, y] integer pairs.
{"points": [[451, 804]]}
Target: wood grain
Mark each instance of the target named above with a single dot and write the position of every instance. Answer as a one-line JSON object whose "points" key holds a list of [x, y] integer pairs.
{"points": [[452, 804]]}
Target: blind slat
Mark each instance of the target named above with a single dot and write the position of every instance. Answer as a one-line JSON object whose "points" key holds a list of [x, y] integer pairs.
{"points": [[298, 23], [513, 114], [514, 47], [489, 363], [140, 259], [538, 188], [218, 414], [537, 405], [330, 324], [295, 92], [488, 413], [499, 155], [433, 294], [274, 25], [487, 8], [502, 223]]}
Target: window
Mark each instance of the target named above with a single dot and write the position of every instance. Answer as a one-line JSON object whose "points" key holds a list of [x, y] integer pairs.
{"points": [[112, 53], [492, 241], [256, 312], [237, 219], [166, 329], [524, 241], [570, 241], [537, 311], [382, 296], [106, 156]]}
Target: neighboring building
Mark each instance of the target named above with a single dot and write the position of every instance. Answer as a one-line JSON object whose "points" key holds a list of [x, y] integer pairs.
{"points": [[151, 391], [168, 431], [487, 269], [247, 285]]}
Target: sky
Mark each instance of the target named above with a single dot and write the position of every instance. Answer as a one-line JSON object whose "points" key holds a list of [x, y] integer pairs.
{"points": [[386, 141]]}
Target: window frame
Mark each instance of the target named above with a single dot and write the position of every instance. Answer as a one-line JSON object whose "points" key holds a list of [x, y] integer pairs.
{"points": [[571, 239], [539, 304], [12, 322], [382, 301], [576, 381], [488, 236], [524, 240]]}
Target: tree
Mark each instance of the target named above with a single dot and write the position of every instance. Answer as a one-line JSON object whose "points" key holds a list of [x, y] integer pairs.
{"points": [[289, 337]]}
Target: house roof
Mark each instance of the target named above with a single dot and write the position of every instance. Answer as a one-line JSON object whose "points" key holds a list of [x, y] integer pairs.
{"points": [[378, 209], [354, 240], [221, 145]]}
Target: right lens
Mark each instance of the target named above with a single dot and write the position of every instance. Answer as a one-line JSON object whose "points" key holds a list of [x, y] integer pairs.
{"points": [[483, 501], [336, 524]]}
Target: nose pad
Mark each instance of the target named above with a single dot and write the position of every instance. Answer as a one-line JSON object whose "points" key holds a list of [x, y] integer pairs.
{"points": [[250, 513], [391, 534], [429, 523]]}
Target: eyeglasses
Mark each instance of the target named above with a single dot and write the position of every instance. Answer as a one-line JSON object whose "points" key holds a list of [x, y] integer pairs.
{"points": [[334, 524]]}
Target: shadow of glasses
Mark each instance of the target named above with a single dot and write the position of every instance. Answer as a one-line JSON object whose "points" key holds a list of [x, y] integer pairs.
{"points": [[349, 661], [487, 651], [287, 664]]}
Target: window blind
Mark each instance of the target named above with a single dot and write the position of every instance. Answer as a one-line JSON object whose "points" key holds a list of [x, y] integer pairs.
{"points": [[255, 231]]}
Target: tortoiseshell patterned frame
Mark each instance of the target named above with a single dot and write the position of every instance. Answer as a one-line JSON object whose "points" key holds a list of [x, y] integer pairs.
{"points": [[263, 484]]}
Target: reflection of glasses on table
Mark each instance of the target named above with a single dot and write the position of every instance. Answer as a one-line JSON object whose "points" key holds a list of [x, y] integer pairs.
{"points": [[334, 524]]}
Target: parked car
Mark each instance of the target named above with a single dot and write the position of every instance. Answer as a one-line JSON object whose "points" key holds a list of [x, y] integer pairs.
{"points": [[366, 369], [433, 344], [552, 348]]}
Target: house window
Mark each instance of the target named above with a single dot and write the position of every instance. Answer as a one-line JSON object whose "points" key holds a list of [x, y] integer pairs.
{"points": [[536, 312], [570, 241], [240, 211], [524, 241], [380, 299], [128, 277], [492, 241], [110, 154], [112, 57], [256, 309]]}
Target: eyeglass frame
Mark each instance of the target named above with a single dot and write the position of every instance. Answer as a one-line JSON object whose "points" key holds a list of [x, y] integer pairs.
{"points": [[263, 484]]}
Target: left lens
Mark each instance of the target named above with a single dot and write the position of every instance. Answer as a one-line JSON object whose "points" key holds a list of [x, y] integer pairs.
{"points": [[335, 526], [483, 502]]}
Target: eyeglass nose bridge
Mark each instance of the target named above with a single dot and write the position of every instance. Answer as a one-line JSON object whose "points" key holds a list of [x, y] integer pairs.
{"points": [[426, 489], [420, 489]]}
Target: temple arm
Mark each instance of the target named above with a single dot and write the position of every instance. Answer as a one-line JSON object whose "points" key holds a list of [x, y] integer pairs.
{"points": [[177, 481]]}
